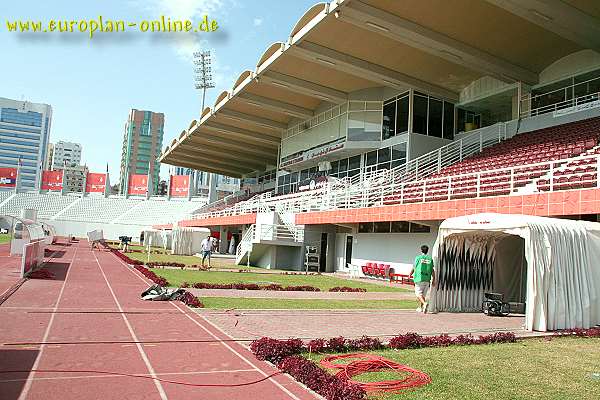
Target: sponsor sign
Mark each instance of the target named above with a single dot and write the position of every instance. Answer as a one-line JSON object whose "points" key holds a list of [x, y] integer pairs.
{"points": [[180, 186], [95, 183], [52, 180], [316, 182], [138, 184], [8, 177], [312, 154]]}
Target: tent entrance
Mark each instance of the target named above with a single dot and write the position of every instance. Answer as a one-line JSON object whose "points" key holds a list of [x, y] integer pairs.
{"points": [[473, 263]]}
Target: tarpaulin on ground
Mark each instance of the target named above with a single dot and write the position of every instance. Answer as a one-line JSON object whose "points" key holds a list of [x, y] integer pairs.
{"points": [[552, 264]]}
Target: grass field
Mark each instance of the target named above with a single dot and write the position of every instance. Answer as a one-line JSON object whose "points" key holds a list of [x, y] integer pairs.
{"points": [[323, 282], [227, 303], [556, 369], [187, 260], [5, 238]]}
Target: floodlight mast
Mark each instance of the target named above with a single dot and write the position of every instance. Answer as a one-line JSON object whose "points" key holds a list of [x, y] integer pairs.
{"points": [[203, 74]]}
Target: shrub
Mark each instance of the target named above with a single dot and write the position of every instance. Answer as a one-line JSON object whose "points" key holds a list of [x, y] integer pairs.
{"points": [[364, 343], [316, 345], [315, 378], [336, 344], [346, 289], [184, 285], [274, 350], [409, 340], [581, 332], [191, 300]]}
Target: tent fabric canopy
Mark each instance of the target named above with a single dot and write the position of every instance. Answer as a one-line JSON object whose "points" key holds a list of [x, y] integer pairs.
{"points": [[553, 264]]}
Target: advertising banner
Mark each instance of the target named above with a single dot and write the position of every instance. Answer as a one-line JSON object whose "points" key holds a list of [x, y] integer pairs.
{"points": [[52, 180], [180, 186], [138, 185], [95, 183], [8, 177]]}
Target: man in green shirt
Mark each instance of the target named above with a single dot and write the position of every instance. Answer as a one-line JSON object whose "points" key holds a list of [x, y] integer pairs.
{"points": [[423, 273]]}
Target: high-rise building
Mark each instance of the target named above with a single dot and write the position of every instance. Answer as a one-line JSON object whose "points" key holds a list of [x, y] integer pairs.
{"points": [[24, 134], [66, 154], [49, 155], [142, 143]]}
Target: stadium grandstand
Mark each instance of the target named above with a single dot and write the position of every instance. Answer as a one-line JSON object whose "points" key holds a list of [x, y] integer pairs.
{"points": [[376, 120]]}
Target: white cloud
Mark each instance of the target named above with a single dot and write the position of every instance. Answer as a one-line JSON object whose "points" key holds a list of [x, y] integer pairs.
{"points": [[257, 21]]}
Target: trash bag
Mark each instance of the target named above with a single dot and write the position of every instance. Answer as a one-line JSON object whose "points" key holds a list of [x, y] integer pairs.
{"points": [[159, 293]]}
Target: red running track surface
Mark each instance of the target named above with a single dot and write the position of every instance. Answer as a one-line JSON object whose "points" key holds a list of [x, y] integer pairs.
{"points": [[95, 297]]}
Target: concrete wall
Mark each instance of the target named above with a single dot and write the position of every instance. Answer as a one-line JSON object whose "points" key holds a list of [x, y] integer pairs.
{"points": [[111, 231], [421, 144]]}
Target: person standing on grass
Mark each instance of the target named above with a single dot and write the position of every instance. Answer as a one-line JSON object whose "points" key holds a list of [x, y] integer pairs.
{"points": [[423, 274], [207, 245]]}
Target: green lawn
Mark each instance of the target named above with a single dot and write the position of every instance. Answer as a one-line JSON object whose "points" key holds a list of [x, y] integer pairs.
{"points": [[5, 238], [227, 303], [556, 369], [323, 282]]}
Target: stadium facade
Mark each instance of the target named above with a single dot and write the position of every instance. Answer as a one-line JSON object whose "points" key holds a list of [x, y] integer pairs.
{"points": [[24, 136], [376, 120]]}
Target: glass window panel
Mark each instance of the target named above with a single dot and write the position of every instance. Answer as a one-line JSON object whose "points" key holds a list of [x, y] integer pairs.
{"points": [[381, 227], [286, 179], [294, 177], [343, 165], [365, 227], [334, 167], [353, 172], [383, 155], [420, 115], [383, 166], [399, 152], [388, 128], [448, 120], [313, 171], [435, 118], [400, 227], [371, 158], [354, 162], [418, 228], [402, 115]]}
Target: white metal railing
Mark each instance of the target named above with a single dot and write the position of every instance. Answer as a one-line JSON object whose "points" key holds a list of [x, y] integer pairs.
{"points": [[315, 121], [566, 92], [246, 243]]}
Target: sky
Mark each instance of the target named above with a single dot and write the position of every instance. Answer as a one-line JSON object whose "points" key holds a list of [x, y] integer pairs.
{"points": [[92, 84]]}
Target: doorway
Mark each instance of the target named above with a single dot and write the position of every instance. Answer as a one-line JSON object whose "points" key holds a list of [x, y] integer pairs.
{"points": [[349, 240], [323, 253]]}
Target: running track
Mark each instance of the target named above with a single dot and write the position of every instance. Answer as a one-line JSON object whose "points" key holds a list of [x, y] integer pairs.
{"points": [[95, 298]]}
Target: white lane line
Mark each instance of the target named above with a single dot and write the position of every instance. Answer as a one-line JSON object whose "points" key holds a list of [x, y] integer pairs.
{"points": [[263, 373], [161, 390], [57, 378], [29, 381]]}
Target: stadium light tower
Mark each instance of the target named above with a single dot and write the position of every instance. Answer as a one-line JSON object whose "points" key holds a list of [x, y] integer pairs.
{"points": [[202, 73]]}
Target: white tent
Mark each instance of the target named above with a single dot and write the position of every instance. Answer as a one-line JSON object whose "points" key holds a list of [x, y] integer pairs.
{"points": [[158, 238], [188, 241], [549, 264]]}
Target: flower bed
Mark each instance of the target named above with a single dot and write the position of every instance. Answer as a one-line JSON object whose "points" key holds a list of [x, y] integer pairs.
{"points": [[580, 332], [162, 264], [286, 355]]}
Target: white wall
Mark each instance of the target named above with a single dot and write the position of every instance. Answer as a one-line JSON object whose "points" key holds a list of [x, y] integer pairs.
{"points": [[111, 231], [397, 249], [421, 144]]}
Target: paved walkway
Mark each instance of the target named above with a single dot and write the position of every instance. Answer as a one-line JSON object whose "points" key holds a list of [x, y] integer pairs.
{"points": [[73, 337], [272, 294], [308, 324]]}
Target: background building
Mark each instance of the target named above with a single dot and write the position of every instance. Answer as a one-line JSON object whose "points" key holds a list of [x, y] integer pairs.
{"points": [[49, 155], [225, 184], [24, 133], [74, 177], [66, 154], [142, 143]]}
